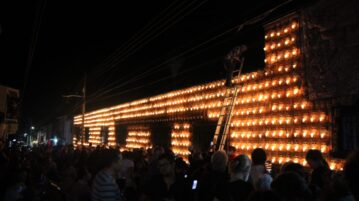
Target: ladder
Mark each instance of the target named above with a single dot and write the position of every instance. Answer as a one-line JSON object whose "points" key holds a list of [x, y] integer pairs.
{"points": [[225, 116]]}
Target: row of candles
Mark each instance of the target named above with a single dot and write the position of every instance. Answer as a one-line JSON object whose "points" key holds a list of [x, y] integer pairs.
{"points": [[280, 120], [246, 99], [282, 146], [138, 139], [280, 81], [272, 108], [172, 100], [282, 31], [334, 164], [259, 134]]}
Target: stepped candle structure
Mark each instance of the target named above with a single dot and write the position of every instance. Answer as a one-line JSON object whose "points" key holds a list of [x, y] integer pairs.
{"points": [[272, 110]]}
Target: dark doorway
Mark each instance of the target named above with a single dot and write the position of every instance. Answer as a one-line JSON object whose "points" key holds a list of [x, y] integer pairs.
{"points": [[87, 134], [121, 134], [76, 131], [346, 138], [104, 134], [161, 135], [202, 134]]}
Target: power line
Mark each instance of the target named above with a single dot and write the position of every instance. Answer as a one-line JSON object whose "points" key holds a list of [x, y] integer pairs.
{"points": [[135, 37], [151, 38], [32, 48], [238, 27], [142, 43], [156, 81], [158, 67]]}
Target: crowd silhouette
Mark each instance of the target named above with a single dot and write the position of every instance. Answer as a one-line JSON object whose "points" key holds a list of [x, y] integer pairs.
{"points": [[65, 173]]}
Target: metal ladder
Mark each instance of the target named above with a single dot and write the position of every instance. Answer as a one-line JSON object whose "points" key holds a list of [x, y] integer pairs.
{"points": [[225, 116]]}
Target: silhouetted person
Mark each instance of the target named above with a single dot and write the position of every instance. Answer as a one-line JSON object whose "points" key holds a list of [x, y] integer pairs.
{"points": [[291, 187], [167, 185], [263, 196], [351, 172], [293, 167], [259, 176], [321, 173], [232, 61], [104, 186], [211, 184], [238, 188], [81, 191]]}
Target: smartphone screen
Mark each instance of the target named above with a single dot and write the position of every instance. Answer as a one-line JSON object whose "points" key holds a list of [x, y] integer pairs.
{"points": [[194, 184]]}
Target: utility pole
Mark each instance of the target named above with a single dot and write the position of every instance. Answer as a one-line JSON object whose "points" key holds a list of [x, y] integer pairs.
{"points": [[83, 111], [83, 96]]}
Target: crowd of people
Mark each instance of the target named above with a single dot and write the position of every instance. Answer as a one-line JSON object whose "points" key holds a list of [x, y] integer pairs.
{"points": [[65, 173]]}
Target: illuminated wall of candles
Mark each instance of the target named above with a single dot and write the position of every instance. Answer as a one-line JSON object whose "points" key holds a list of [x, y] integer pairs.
{"points": [[138, 137], [181, 139], [272, 110]]}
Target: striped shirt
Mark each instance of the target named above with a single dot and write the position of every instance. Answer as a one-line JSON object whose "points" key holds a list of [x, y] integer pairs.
{"points": [[105, 188]]}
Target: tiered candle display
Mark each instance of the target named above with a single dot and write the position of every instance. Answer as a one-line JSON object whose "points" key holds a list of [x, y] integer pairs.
{"points": [[138, 137], [271, 111], [181, 139]]}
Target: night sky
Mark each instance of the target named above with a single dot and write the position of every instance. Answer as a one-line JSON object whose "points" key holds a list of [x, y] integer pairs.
{"points": [[78, 38]]}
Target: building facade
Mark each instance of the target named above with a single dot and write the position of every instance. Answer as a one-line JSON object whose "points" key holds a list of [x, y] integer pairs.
{"points": [[9, 100]]}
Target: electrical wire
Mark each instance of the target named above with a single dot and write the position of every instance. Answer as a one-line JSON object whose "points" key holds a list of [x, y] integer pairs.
{"points": [[143, 32], [35, 36], [149, 40], [142, 43], [238, 27], [158, 67], [156, 81], [163, 30]]}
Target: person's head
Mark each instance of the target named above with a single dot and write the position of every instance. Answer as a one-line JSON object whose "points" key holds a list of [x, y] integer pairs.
{"points": [[290, 186], [2, 145], [240, 165], [231, 150], [83, 174], [127, 155], [111, 159], [315, 158], [166, 164], [263, 196], [219, 161], [351, 172], [157, 151], [293, 167], [180, 166], [258, 156], [197, 156]]}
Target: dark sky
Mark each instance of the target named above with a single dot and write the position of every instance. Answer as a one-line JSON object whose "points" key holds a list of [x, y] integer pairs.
{"points": [[75, 37]]}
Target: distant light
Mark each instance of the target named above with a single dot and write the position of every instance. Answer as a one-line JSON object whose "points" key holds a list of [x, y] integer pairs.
{"points": [[55, 140], [32, 128], [14, 140], [25, 134]]}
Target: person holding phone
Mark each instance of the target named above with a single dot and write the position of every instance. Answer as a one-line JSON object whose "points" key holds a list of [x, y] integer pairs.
{"points": [[259, 176], [167, 186]]}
